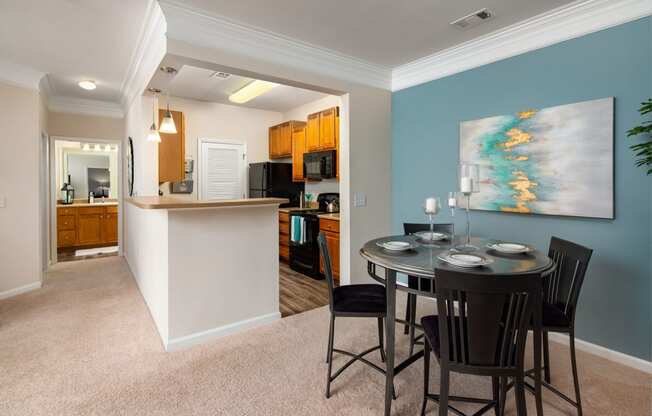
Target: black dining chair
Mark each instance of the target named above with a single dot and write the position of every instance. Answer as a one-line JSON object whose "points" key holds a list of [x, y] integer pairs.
{"points": [[352, 301], [481, 329], [411, 306], [561, 293]]}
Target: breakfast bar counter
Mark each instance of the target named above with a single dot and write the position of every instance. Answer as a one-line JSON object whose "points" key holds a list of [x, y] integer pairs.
{"points": [[204, 268]]}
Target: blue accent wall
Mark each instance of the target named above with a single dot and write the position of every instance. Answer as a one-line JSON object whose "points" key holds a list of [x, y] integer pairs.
{"points": [[615, 304]]}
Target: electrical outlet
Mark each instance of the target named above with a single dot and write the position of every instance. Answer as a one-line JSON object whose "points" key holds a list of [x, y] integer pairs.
{"points": [[359, 199]]}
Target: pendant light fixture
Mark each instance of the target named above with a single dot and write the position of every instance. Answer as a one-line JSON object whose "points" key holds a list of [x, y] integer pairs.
{"points": [[153, 135], [167, 124]]}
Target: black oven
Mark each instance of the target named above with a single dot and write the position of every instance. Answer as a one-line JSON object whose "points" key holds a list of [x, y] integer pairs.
{"points": [[319, 165]]}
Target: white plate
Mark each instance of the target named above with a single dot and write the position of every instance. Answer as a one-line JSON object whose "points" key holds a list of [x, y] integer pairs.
{"points": [[510, 248], [395, 245], [465, 260], [428, 236]]}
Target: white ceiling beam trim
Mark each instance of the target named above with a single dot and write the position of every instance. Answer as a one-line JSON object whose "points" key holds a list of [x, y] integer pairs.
{"points": [[20, 75], [199, 28], [567, 22], [148, 54], [87, 107]]}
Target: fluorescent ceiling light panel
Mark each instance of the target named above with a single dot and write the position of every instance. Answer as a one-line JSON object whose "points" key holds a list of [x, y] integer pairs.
{"points": [[251, 91]]}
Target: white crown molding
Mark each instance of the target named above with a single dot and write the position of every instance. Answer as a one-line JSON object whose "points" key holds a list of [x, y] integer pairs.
{"points": [[146, 57], [59, 104], [567, 22], [200, 28], [20, 75]]}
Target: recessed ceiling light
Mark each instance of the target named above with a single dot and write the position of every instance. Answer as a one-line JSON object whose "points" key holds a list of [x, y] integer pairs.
{"points": [[251, 91], [87, 85]]}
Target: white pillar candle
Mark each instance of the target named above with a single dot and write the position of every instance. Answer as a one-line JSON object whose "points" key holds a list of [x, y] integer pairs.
{"points": [[466, 184], [431, 206]]}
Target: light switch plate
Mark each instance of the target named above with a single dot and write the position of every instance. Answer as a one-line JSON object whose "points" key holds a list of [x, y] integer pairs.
{"points": [[2, 201], [359, 199]]}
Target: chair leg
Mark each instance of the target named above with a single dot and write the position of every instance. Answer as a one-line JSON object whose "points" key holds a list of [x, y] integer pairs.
{"points": [[495, 387], [408, 307], [503, 395], [330, 356], [413, 318], [381, 339], [546, 357], [443, 391], [330, 339], [519, 391], [576, 380], [426, 375]]}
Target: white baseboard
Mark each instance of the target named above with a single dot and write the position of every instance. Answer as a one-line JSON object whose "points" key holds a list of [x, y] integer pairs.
{"points": [[20, 290], [611, 355], [200, 337]]}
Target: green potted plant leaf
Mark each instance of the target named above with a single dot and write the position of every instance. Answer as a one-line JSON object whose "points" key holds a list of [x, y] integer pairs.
{"points": [[643, 150]]}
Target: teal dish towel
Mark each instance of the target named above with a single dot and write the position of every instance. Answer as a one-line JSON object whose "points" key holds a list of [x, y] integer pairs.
{"points": [[295, 235]]}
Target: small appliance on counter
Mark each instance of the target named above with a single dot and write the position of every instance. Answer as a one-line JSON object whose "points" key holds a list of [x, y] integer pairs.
{"points": [[267, 180], [185, 186], [304, 230]]}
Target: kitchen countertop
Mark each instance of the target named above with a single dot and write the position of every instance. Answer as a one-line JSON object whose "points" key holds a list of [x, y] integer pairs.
{"points": [[86, 204], [162, 202], [334, 216], [290, 209]]}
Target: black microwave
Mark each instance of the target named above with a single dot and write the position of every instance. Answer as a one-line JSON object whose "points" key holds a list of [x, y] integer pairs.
{"points": [[319, 165]]}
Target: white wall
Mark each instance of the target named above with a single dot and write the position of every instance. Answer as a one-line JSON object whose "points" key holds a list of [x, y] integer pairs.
{"points": [[137, 122], [301, 113], [86, 126], [223, 121], [21, 246]]}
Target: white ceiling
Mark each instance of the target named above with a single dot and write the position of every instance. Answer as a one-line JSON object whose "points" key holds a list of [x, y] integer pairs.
{"points": [[73, 40], [201, 84], [384, 32]]}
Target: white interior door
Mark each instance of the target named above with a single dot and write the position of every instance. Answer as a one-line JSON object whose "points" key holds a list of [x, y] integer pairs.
{"points": [[222, 170]]}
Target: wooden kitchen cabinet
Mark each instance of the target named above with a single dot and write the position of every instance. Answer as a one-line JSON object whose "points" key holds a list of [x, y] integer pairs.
{"points": [[280, 139], [312, 133], [87, 226], [331, 229], [298, 149], [323, 130], [284, 236], [172, 150]]}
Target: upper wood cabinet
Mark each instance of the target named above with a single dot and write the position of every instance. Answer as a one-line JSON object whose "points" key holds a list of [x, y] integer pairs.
{"points": [[280, 139], [312, 133], [327, 129], [298, 149], [323, 130], [172, 150]]}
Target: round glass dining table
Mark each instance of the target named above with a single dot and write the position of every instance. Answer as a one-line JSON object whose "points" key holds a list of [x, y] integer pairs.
{"points": [[420, 263]]}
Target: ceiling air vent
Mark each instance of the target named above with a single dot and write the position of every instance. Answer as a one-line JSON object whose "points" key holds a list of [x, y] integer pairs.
{"points": [[473, 19], [222, 75]]}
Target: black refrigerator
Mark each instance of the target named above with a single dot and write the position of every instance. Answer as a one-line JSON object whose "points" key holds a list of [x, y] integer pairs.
{"points": [[267, 179]]}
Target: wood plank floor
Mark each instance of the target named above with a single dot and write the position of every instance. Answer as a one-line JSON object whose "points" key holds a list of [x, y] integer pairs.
{"points": [[299, 293]]}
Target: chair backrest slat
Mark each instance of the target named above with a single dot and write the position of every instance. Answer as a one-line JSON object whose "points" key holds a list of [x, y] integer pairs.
{"points": [[565, 283], [490, 323], [328, 268]]}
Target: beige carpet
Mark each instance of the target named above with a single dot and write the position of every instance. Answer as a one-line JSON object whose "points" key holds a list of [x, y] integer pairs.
{"points": [[85, 345]]}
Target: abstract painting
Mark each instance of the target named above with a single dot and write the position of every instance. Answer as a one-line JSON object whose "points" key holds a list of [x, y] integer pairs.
{"points": [[554, 161]]}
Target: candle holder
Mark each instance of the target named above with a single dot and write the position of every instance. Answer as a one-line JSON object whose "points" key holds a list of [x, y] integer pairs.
{"points": [[469, 184], [431, 207]]}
